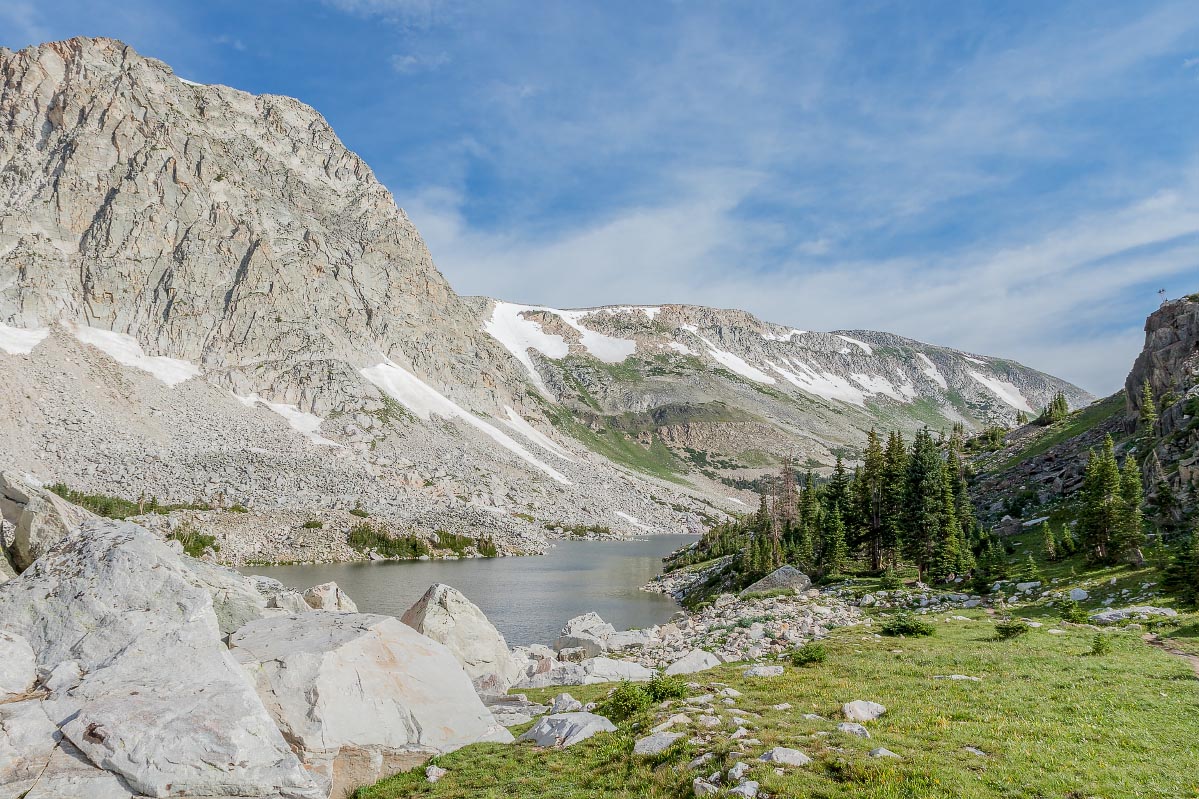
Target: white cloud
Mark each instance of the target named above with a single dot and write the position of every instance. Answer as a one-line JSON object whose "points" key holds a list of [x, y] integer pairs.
{"points": [[23, 26], [409, 63]]}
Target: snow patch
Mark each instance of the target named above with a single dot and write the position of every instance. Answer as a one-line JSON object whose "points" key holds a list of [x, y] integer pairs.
{"points": [[866, 348], [1004, 390], [734, 499], [21, 341], [975, 360], [736, 364], [423, 400], [930, 369], [636, 523], [649, 310], [689, 328], [877, 384], [125, 350], [519, 335], [520, 425], [682, 349], [302, 422], [770, 335], [189, 82], [822, 384]]}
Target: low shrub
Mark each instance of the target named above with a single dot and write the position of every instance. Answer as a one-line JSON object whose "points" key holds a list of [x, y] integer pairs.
{"points": [[661, 687], [1100, 645], [1008, 629], [313, 524], [194, 542], [626, 700], [890, 581], [237, 508], [907, 624], [359, 512], [1075, 614], [363, 537], [809, 655]]}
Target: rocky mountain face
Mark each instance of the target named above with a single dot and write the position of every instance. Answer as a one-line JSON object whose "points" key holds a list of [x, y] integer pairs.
{"points": [[1170, 362], [722, 394], [206, 298]]}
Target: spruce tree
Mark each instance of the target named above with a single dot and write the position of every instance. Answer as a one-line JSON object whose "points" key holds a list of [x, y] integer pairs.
{"points": [[834, 552], [1132, 529], [871, 486], [924, 502], [894, 488], [1148, 418], [1102, 512], [1048, 545], [836, 494]]}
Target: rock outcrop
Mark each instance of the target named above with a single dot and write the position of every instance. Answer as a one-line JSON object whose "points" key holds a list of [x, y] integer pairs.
{"points": [[361, 696], [447, 616], [328, 596], [784, 578], [39, 518], [137, 679]]}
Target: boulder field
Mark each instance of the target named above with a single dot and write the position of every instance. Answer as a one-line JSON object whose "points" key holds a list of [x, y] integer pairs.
{"points": [[129, 669]]}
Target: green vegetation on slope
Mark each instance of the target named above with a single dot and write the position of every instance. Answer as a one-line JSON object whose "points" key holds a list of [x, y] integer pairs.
{"points": [[111, 507], [617, 446], [1075, 424], [1051, 719]]}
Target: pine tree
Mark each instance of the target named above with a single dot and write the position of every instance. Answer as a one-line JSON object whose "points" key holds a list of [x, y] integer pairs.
{"points": [[1048, 545], [1065, 541], [871, 485], [1148, 418], [1057, 410], [1131, 539], [834, 552], [1021, 418], [946, 555], [1182, 574], [894, 488], [924, 503], [1102, 511], [836, 493]]}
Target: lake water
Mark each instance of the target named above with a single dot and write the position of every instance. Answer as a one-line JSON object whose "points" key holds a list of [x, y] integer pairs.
{"points": [[527, 598]]}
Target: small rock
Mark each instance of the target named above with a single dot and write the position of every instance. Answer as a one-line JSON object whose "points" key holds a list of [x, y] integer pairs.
{"points": [[434, 773], [852, 728], [884, 752], [747, 788], [656, 744], [862, 710], [786, 757], [957, 677], [763, 671], [701, 787], [565, 703]]}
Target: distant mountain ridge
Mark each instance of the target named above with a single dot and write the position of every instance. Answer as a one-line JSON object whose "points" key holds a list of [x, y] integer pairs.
{"points": [[205, 295]]}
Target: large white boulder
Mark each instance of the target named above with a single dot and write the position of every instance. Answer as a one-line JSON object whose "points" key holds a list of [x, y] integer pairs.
{"points": [[361, 696], [629, 639], [328, 596], [41, 518], [18, 666], [34, 754], [139, 680], [784, 578], [862, 710], [693, 661], [236, 600], [597, 670], [588, 622], [566, 729], [447, 616]]}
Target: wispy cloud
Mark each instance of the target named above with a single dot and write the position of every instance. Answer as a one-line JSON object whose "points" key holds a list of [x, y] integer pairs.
{"points": [[23, 22], [409, 63]]}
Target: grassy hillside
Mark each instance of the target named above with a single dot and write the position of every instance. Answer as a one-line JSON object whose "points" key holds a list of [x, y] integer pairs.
{"points": [[1050, 719]]}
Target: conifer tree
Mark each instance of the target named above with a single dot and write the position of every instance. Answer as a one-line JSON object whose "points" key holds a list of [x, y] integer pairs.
{"points": [[1057, 410], [836, 494], [947, 546], [1132, 529], [1148, 418], [1021, 418], [1048, 545], [894, 488], [924, 502], [1102, 511], [871, 485], [834, 552]]}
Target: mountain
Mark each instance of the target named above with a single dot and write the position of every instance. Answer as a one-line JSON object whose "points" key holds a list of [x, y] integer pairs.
{"points": [[1039, 469], [205, 298]]}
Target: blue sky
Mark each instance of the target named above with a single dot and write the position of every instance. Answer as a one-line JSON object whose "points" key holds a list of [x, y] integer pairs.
{"points": [[1015, 178]]}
